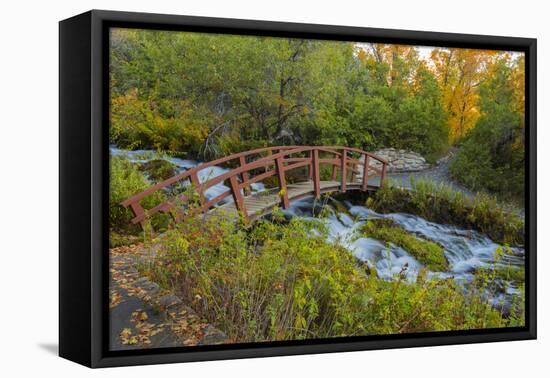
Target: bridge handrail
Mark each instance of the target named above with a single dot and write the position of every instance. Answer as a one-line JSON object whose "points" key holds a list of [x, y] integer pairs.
{"points": [[196, 169], [277, 159]]}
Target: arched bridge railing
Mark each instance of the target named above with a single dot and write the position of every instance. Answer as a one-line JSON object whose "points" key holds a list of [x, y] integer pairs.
{"points": [[256, 165]]}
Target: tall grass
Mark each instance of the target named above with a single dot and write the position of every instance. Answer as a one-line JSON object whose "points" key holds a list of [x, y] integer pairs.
{"points": [[438, 202]]}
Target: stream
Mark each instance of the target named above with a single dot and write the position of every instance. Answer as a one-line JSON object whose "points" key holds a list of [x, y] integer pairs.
{"points": [[466, 250]]}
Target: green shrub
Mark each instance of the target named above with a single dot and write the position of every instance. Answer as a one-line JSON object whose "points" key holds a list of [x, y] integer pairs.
{"points": [[431, 254], [140, 121], [158, 169], [125, 181], [280, 281], [505, 272], [492, 157]]}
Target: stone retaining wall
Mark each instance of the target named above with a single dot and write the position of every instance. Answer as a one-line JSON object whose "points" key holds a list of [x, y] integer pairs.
{"points": [[402, 160]]}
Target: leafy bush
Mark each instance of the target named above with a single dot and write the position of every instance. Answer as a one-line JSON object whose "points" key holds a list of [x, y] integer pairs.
{"points": [[158, 169], [280, 281], [125, 181], [215, 95], [142, 122], [492, 156], [505, 272]]}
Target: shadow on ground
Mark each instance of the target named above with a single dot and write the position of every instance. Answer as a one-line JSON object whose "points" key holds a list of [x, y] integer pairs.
{"points": [[51, 348]]}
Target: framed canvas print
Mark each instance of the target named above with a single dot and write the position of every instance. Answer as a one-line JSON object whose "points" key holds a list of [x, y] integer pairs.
{"points": [[233, 188]]}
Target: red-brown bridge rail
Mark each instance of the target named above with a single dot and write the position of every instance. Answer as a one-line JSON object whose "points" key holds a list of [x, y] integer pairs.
{"points": [[351, 170]]}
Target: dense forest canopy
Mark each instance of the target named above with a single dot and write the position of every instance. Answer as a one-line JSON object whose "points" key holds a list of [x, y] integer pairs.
{"points": [[208, 95]]}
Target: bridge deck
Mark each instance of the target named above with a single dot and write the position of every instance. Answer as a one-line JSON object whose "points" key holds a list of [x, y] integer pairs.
{"points": [[260, 203]]}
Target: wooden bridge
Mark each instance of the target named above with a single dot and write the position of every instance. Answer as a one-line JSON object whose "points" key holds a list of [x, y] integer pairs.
{"points": [[349, 169]]}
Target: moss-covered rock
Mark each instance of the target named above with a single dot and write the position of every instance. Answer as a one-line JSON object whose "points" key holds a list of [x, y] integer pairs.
{"points": [[158, 169], [431, 254]]}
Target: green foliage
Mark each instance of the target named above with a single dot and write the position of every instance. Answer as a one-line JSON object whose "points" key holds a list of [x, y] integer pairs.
{"points": [[280, 281], [493, 155], [506, 273], [502, 271], [158, 169], [125, 180], [497, 278], [117, 239], [210, 95], [400, 116], [153, 123], [218, 94], [440, 203], [431, 254]]}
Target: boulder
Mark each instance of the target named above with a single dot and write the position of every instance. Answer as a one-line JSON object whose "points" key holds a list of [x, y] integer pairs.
{"points": [[158, 169]]}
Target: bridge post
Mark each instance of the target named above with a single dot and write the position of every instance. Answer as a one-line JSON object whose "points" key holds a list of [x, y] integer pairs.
{"points": [[269, 153], [282, 182], [309, 166], [238, 197], [244, 176], [196, 183], [344, 171], [353, 172], [365, 173], [316, 174], [137, 210], [383, 174]]}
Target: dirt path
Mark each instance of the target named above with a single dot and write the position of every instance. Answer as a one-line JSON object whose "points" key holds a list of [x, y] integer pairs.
{"points": [[438, 173]]}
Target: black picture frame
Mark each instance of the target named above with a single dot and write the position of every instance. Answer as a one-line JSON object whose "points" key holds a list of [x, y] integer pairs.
{"points": [[83, 196]]}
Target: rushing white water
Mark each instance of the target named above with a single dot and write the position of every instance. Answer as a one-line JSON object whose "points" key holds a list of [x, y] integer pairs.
{"points": [[143, 156]]}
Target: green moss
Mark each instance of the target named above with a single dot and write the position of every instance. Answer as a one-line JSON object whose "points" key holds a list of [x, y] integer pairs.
{"points": [[430, 254]]}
